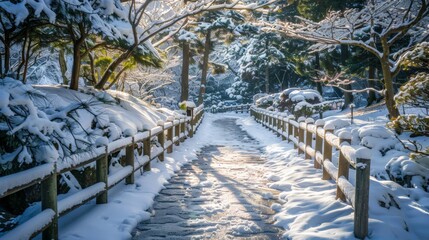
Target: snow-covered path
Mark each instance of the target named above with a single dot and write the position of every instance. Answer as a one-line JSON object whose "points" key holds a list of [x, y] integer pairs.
{"points": [[213, 186], [220, 195]]}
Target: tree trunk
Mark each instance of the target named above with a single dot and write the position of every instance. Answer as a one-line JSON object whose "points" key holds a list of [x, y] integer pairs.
{"points": [[388, 86], [371, 84], [63, 66], [112, 67], [267, 80], [1, 65], [185, 72], [388, 80], [75, 74], [348, 96], [6, 56], [317, 68], [23, 55], [267, 70], [27, 60], [207, 46]]}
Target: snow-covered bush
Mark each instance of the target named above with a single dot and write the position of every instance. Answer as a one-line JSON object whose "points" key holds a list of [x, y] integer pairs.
{"points": [[418, 125], [30, 136], [409, 172], [300, 102], [377, 138], [51, 123], [271, 100], [414, 93], [239, 90], [257, 96]]}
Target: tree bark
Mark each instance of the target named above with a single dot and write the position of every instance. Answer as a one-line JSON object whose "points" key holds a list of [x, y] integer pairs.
{"points": [[348, 96], [267, 79], [1, 65], [27, 60], [267, 71], [111, 68], [23, 55], [63, 65], [371, 84], [75, 74], [6, 55], [185, 72], [317, 68], [207, 49], [388, 86], [388, 80]]}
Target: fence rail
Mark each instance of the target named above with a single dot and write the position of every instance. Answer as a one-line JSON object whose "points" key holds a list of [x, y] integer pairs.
{"points": [[302, 132], [168, 134], [237, 108]]}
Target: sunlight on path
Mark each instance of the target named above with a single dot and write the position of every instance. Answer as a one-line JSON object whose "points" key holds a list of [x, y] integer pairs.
{"points": [[221, 195]]}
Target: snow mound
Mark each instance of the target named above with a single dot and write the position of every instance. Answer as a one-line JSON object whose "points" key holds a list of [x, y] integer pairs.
{"points": [[52, 123], [375, 131], [336, 124], [305, 95]]}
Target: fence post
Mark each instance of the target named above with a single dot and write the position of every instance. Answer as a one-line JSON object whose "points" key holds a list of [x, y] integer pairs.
{"points": [[102, 176], [300, 134], [49, 201], [274, 122], [170, 138], [129, 161], [363, 164], [343, 164], [283, 128], [319, 142], [146, 151], [190, 113], [267, 120], [279, 124], [177, 132], [264, 119], [183, 129], [161, 140], [289, 127], [308, 137], [327, 151]]}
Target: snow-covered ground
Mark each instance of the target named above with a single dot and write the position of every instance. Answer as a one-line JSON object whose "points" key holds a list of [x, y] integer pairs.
{"points": [[369, 129], [128, 203], [309, 209]]}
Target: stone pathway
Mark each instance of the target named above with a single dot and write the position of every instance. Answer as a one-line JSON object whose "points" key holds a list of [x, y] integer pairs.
{"points": [[220, 195]]}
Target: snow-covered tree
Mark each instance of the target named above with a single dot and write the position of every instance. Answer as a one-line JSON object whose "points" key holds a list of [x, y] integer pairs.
{"points": [[415, 93], [18, 20], [386, 29]]}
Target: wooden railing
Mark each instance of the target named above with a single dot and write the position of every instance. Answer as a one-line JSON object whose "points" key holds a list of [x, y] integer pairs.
{"points": [[168, 134], [302, 132], [237, 108]]}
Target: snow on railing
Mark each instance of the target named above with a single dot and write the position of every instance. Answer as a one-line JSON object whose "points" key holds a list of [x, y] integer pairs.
{"points": [[12, 183], [301, 132], [237, 108], [168, 134]]}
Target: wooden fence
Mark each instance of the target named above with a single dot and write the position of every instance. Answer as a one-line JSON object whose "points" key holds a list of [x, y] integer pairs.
{"points": [[168, 134], [237, 108], [302, 132]]}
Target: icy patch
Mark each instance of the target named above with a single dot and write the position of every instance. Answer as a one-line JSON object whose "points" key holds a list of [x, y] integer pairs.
{"points": [[267, 195], [276, 207], [244, 227]]}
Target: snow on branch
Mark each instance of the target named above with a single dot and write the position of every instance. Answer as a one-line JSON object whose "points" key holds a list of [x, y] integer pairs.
{"points": [[339, 81], [379, 21]]}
